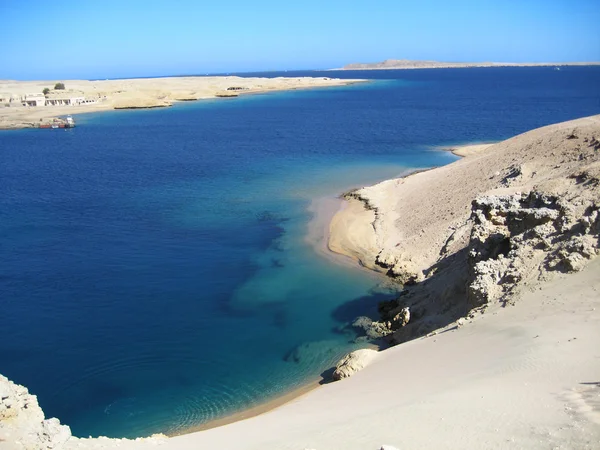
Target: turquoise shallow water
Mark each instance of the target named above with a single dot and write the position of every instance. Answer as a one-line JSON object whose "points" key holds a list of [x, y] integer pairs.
{"points": [[155, 272]]}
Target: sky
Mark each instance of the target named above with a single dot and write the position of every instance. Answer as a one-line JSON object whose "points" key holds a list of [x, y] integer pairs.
{"points": [[94, 39]]}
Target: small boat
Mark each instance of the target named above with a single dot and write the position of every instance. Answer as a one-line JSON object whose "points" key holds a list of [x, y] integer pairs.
{"points": [[67, 122]]}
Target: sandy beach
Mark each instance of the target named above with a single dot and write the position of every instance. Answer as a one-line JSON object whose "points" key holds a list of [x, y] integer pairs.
{"points": [[497, 252], [137, 93]]}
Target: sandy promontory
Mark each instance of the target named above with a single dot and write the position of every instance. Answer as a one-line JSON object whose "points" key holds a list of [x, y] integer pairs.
{"points": [[408, 224], [102, 95]]}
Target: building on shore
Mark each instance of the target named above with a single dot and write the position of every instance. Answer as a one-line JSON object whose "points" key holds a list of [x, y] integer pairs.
{"points": [[64, 101], [68, 99], [52, 99], [10, 99], [33, 100]]}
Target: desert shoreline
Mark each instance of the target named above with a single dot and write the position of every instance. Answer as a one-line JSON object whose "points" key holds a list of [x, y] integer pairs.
{"points": [[143, 93]]}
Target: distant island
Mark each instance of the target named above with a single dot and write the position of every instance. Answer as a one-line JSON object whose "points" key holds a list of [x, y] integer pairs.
{"points": [[418, 64]]}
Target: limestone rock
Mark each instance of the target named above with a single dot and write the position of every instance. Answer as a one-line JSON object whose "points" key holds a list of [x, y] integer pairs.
{"points": [[22, 420], [515, 236], [401, 318], [399, 267], [352, 363]]}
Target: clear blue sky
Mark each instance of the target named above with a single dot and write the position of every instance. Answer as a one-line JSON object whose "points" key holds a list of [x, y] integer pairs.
{"points": [[124, 38]]}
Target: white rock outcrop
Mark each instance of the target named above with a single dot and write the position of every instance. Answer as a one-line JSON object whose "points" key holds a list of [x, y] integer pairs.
{"points": [[516, 237], [353, 362], [22, 421]]}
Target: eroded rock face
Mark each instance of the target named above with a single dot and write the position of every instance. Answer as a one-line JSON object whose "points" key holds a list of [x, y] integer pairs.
{"points": [[352, 363], [512, 240], [517, 236]]}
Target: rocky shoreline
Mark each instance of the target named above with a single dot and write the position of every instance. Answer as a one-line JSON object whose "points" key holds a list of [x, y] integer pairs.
{"points": [[531, 209]]}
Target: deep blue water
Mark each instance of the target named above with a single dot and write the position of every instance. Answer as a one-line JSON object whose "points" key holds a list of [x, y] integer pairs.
{"points": [[154, 267]]}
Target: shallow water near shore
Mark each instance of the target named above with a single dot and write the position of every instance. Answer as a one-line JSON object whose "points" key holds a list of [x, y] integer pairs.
{"points": [[156, 272]]}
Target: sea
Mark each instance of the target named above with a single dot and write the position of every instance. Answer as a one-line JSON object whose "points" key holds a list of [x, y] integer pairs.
{"points": [[157, 267]]}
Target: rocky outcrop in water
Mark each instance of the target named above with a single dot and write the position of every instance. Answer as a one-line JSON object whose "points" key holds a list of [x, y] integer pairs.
{"points": [[393, 318]]}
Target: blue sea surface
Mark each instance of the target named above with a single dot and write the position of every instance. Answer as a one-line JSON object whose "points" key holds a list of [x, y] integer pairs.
{"points": [[155, 271]]}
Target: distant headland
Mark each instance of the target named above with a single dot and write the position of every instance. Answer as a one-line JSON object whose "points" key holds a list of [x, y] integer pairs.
{"points": [[419, 64]]}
